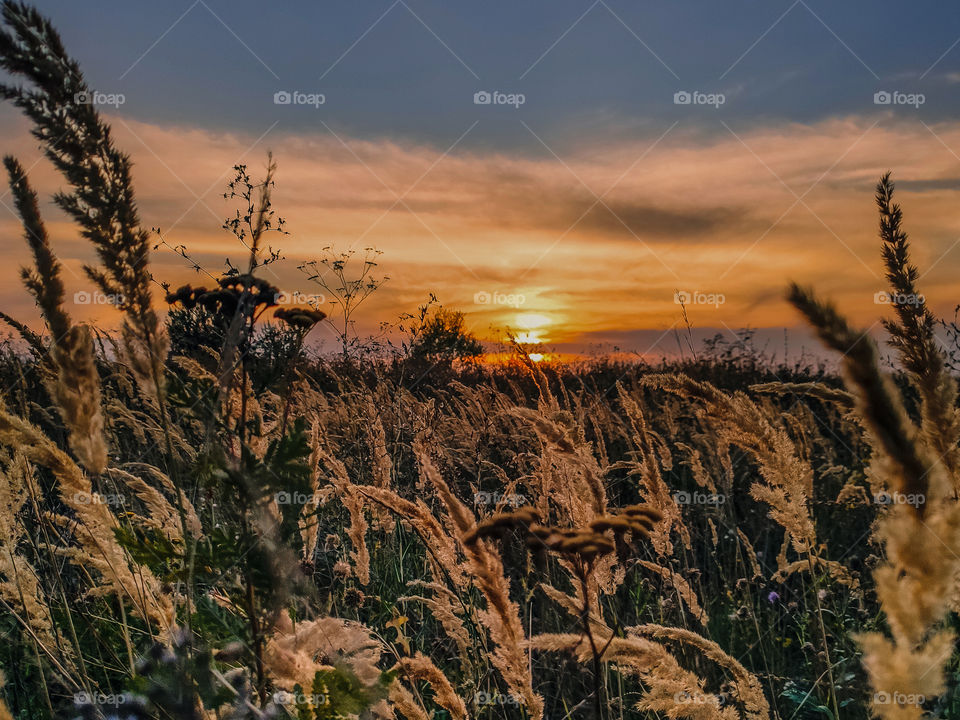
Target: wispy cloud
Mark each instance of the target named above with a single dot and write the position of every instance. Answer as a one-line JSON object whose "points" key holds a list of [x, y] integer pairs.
{"points": [[529, 225]]}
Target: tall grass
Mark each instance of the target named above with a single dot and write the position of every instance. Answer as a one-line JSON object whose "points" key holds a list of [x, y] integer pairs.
{"points": [[237, 530]]}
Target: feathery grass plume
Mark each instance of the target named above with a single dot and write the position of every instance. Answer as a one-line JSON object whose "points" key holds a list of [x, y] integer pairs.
{"points": [[420, 667], [441, 547], [912, 334], [695, 463], [501, 616], [77, 395], [446, 610], [44, 281], [922, 538], [328, 647], [160, 514], [750, 553], [19, 586], [839, 572], [33, 340], [191, 519], [351, 498], [670, 689], [78, 142], [76, 390], [382, 464], [788, 478], [98, 548], [648, 469], [403, 701], [309, 527], [293, 654], [569, 476], [816, 390], [914, 472], [748, 689]]}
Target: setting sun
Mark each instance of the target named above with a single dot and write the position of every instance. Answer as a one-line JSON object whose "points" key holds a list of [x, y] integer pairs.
{"points": [[533, 327]]}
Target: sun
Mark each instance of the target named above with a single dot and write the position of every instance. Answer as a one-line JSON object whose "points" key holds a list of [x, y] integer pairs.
{"points": [[533, 327]]}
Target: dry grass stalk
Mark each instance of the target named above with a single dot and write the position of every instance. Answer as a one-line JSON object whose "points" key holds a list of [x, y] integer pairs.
{"points": [[748, 688], [739, 421], [913, 335], [922, 537], [420, 667], [76, 388], [501, 616], [657, 492], [20, 586], [671, 690], [94, 531], [352, 500]]}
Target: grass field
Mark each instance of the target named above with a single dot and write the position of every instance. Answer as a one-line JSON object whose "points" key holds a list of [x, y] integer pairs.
{"points": [[202, 518]]}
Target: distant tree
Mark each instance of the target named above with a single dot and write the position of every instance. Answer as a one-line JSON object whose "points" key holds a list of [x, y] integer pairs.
{"points": [[443, 336]]}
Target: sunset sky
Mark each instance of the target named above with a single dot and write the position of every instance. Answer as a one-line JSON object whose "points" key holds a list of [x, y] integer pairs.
{"points": [[577, 214]]}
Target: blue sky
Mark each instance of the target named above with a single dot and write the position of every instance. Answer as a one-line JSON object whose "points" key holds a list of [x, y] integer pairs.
{"points": [[408, 69]]}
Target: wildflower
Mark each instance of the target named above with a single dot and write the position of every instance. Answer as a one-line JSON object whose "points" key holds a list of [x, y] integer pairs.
{"points": [[354, 597], [300, 318], [773, 597]]}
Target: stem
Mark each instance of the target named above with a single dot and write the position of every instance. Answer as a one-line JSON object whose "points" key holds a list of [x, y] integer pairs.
{"points": [[257, 640], [598, 700], [823, 636]]}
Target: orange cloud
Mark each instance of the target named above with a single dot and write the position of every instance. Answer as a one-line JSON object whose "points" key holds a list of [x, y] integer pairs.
{"points": [[599, 240]]}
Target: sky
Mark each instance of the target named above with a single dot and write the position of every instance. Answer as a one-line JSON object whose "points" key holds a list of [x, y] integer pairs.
{"points": [[565, 168]]}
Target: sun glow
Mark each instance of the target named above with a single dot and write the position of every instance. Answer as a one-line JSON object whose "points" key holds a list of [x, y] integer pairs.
{"points": [[533, 327], [531, 337], [532, 321]]}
